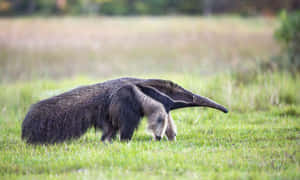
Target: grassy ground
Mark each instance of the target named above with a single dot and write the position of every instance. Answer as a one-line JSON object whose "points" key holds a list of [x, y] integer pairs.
{"points": [[258, 139]]}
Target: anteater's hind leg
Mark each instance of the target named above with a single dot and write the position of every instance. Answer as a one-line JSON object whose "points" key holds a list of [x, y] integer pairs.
{"points": [[111, 135], [107, 130], [104, 136]]}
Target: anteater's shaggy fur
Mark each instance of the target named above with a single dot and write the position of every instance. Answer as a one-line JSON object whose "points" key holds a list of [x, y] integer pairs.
{"points": [[112, 106]]}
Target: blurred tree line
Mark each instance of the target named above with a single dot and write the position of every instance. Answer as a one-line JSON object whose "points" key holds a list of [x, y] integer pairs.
{"points": [[140, 7], [288, 34]]}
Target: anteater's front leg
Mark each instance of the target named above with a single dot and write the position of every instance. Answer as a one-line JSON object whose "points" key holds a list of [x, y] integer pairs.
{"points": [[126, 133], [171, 131]]}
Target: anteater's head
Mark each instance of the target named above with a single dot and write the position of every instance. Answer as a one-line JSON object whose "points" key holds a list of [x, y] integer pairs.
{"points": [[158, 124]]}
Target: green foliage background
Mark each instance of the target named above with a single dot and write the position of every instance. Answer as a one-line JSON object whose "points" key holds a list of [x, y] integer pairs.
{"points": [[140, 7], [289, 34]]}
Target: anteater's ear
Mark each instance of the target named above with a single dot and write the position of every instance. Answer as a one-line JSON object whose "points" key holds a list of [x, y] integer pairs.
{"points": [[157, 95]]}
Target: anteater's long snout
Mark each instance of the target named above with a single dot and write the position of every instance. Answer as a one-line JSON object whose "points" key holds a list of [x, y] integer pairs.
{"points": [[203, 101]]}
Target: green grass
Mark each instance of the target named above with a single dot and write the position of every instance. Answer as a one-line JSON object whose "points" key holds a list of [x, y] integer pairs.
{"points": [[258, 139]]}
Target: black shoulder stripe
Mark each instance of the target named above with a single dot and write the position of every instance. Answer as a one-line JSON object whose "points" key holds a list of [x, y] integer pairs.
{"points": [[158, 96]]}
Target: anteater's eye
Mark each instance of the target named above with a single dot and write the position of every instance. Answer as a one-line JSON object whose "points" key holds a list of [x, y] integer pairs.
{"points": [[159, 120]]}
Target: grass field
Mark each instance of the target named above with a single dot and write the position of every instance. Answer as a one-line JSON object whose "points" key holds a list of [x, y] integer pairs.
{"points": [[258, 139]]}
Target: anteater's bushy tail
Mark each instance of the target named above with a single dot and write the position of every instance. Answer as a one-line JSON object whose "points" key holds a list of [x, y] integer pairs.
{"points": [[45, 124]]}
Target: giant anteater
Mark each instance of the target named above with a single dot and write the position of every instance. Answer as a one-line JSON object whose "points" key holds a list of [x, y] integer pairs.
{"points": [[112, 106]]}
